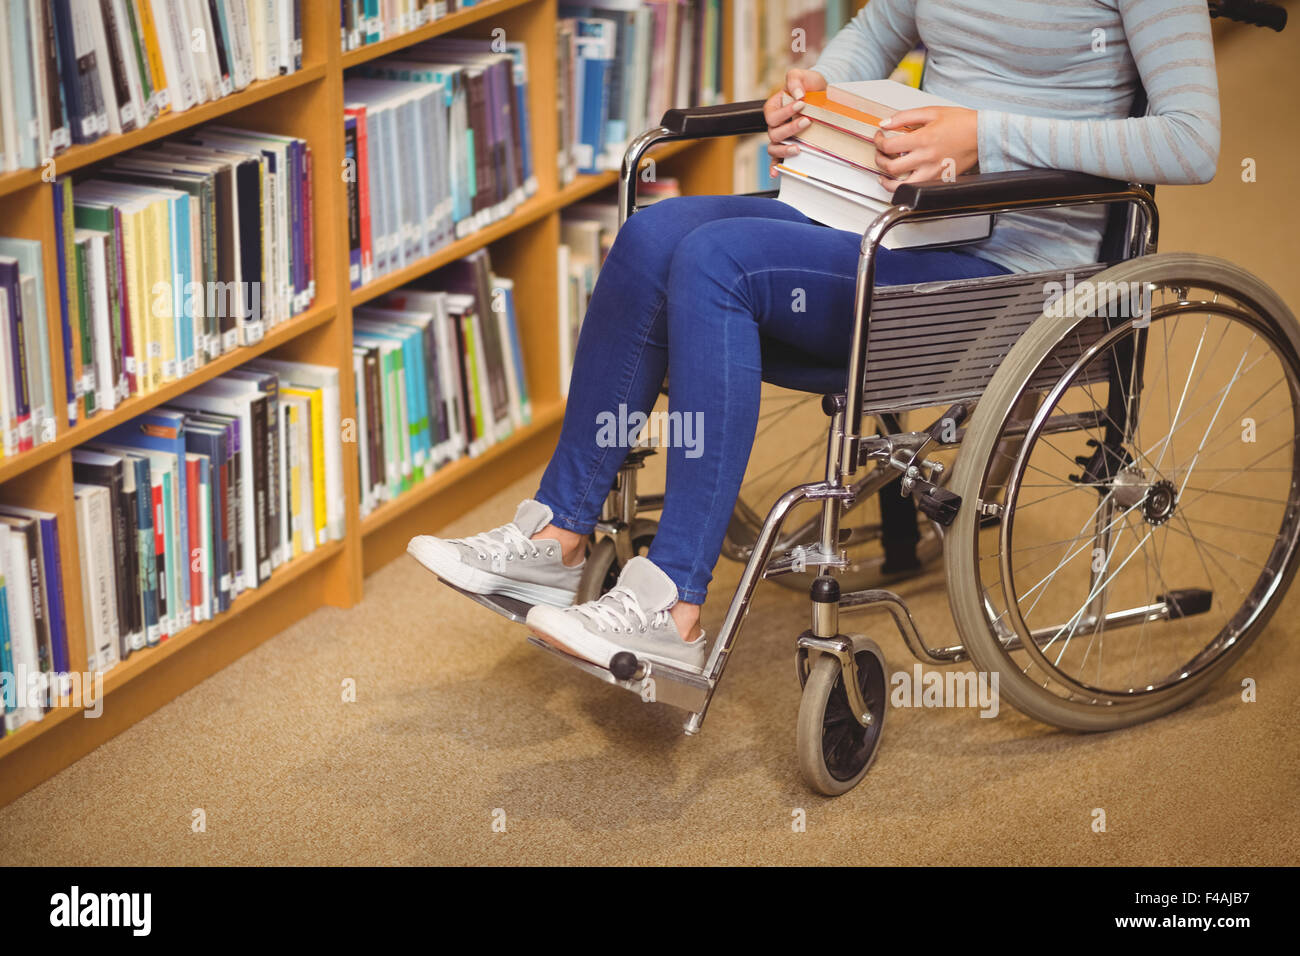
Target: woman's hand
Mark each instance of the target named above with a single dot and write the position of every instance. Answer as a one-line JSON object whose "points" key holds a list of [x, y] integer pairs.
{"points": [[782, 112], [943, 143]]}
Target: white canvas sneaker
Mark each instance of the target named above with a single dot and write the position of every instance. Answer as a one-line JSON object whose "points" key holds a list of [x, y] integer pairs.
{"points": [[632, 616], [504, 560]]}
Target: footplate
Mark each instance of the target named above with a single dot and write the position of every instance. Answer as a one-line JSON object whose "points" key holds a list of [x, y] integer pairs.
{"points": [[651, 681], [510, 608]]}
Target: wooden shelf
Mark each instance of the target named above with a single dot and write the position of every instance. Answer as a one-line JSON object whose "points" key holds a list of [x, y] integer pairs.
{"points": [[459, 470], [457, 20], [528, 212], [309, 104], [141, 661], [78, 157], [87, 429]]}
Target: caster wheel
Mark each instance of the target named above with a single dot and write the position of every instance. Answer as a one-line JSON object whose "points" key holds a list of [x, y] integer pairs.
{"points": [[603, 567], [835, 751]]}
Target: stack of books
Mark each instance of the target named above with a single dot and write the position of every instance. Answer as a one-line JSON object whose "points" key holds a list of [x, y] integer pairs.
{"points": [[439, 375], [75, 70], [834, 179]]}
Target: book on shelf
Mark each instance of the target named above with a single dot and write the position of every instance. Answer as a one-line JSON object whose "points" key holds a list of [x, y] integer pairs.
{"points": [[621, 63], [169, 256], [439, 374], [587, 232], [27, 400], [368, 21], [72, 71], [451, 105], [33, 616], [182, 509]]}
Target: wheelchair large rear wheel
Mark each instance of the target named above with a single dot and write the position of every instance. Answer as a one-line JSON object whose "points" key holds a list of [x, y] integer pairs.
{"points": [[1151, 509]]}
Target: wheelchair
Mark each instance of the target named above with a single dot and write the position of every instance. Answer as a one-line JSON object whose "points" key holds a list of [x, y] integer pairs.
{"points": [[1112, 481]]}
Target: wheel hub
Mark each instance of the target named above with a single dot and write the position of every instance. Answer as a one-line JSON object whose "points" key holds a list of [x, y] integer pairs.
{"points": [[1160, 502]]}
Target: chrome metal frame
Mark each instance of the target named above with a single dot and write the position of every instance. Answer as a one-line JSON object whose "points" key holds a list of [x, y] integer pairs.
{"points": [[846, 452]]}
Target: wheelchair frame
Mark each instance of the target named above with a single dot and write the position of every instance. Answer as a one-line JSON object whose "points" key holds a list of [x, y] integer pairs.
{"points": [[848, 449]]}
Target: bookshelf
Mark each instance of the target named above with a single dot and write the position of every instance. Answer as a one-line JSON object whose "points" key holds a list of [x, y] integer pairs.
{"points": [[309, 104]]}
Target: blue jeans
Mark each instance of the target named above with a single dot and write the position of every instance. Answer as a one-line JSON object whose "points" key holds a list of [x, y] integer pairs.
{"points": [[701, 287]]}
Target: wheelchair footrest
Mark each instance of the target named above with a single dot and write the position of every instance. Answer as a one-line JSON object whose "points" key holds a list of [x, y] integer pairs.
{"points": [[651, 681], [510, 608]]}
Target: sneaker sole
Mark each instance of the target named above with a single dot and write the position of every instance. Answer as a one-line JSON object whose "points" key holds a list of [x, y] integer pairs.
{"points": [[478, 581], [577, 641]]}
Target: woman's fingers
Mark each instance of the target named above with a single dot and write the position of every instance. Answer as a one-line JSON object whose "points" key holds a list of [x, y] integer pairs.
{"points": [[916, 117], [782, 150], [897, 145], [787, 130], [908, 166], [781, 112]]}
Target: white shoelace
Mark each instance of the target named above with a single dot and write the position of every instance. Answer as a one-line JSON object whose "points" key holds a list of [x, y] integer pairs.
{"points": [[502, 544], [616, 609]]}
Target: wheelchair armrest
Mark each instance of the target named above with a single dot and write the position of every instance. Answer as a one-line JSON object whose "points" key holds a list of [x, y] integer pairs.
{"points": [[1001, 189], [724, 119]]}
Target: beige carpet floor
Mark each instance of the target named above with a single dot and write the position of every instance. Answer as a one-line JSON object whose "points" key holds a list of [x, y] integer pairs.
{"points": [[457, 719], [458, 723]]}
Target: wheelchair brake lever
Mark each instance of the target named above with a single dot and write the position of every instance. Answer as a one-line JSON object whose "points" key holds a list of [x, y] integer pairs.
{"points": [[938, 504]]}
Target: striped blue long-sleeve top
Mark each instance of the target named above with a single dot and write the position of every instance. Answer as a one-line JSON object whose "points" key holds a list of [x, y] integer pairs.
{"points": [[1054, 82]]}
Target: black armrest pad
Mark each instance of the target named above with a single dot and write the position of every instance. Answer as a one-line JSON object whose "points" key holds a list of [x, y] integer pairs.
{"points": [[1016, 185], [725, 119]]}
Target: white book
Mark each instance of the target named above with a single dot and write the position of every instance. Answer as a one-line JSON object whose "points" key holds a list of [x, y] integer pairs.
{"points": [[203, 47], [98, 577], [9, 152], [44, 149], [273, 16], [241, 43], [100, 316], [173, 44], [104, 67], [853, 212], [326, 378], [284, 20], [22, 621]]}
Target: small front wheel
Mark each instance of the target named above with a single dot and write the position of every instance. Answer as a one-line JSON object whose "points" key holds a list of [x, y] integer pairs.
{"points": [[835, 749]]}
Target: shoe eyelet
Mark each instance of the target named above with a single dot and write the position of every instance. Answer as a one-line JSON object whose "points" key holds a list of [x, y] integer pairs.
{"points": [[510, 557], [550, 552]]}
